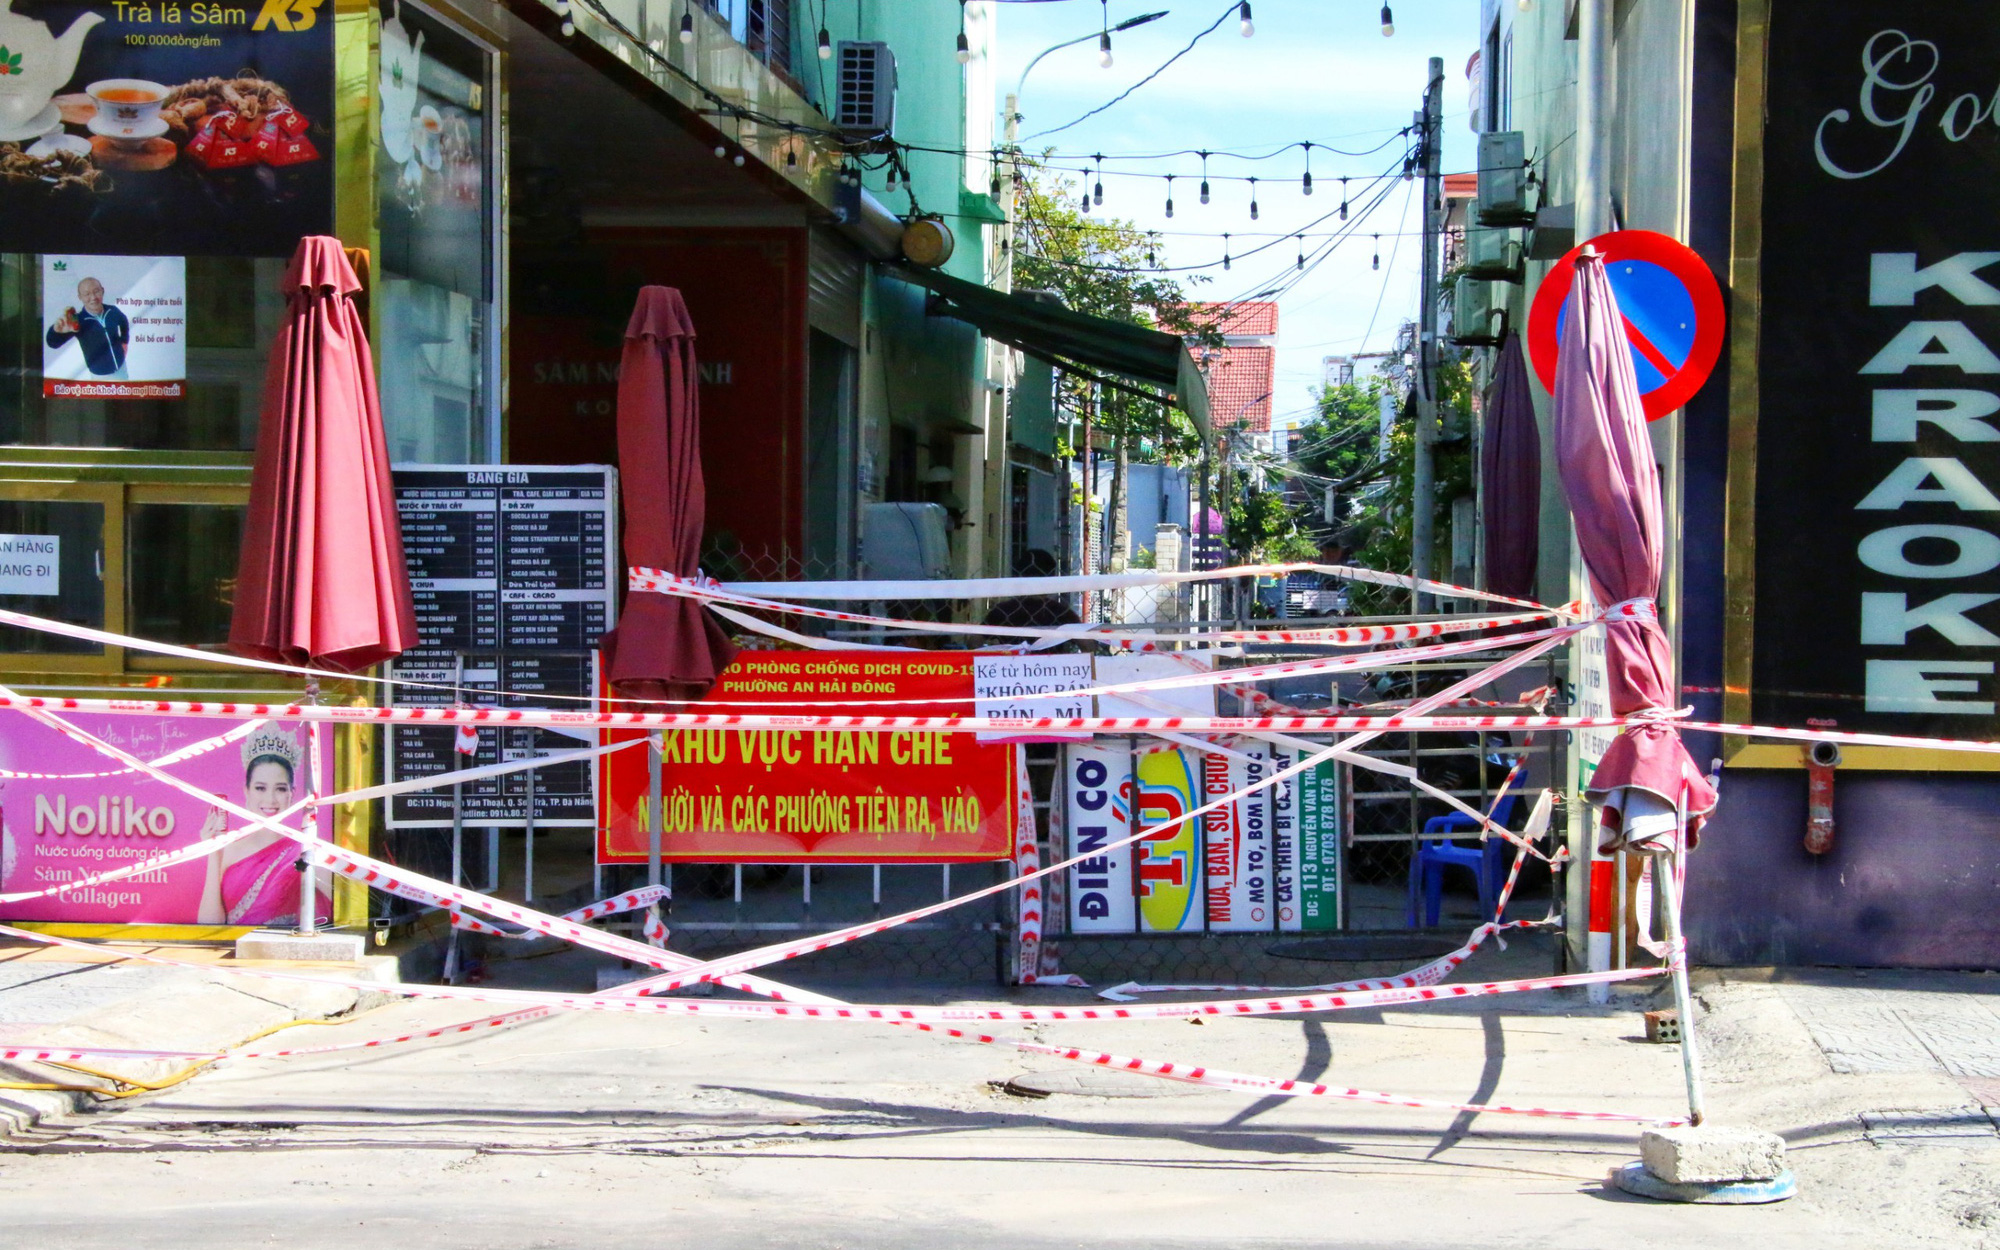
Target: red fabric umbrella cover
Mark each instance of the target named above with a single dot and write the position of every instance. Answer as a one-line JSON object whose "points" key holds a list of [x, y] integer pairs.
{"points": [[320, 579], [666, 648], [1510, 471], [1613, 485]]}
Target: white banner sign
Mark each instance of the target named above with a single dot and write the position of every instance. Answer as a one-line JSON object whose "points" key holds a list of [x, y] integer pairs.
{"points": [[1098, 790], [30, 564], [999, 683]]}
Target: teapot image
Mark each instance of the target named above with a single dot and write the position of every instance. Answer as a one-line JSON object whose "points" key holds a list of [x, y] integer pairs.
{"points": [[34, 65]]}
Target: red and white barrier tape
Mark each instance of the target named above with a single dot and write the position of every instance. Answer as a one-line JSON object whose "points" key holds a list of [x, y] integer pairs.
{"points": [[631, 900]]}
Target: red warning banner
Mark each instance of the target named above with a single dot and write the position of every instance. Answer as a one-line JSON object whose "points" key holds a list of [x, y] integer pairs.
{"points": [[772, 796]]}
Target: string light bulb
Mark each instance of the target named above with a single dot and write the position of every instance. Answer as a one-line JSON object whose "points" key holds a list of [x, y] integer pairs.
{"points": [[1244, 26], [1253, 199], [1104, 50], [1302, 253], [825, 45], [791, 158], [1225, 251], [1097, 191], [1170, 195], [964, 49], [1377, 262], [1388, 22], [1306, 184], [1204, 177], [1343, 199], [687, 24], [994, 188]]}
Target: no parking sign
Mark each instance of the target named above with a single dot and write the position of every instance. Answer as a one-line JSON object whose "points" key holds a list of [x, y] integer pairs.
{"points": [[1671, 306]]}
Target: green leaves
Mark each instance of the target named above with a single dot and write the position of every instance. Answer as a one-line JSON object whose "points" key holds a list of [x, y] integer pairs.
{"points": [[10, 63]]}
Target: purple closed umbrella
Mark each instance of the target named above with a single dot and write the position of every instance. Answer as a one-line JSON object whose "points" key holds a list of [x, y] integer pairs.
{"points": [[1510, 474], [1613, 487]]}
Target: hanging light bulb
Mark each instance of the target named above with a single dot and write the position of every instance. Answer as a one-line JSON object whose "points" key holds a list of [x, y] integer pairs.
{"points": [[1388, 22], [1377, 262], [964, 49], [791, 158], [1253, 199], [1104, 50], [1343, 199], [1204, 177], [890, 185], [1084, 202], [1306, 185], [737, 160], [825, 45], [1524, 5], [1170, 195], [687, 25], [1244, 25], [721, 151], [1097, 191], [1302, 253], [1225, 251]]}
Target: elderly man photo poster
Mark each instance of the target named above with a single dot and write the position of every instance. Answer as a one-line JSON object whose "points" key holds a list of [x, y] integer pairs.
{"points": [[114, 327]]}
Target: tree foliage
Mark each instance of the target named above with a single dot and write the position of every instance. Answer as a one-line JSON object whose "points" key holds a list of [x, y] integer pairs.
{"points": [[1102, 266]]}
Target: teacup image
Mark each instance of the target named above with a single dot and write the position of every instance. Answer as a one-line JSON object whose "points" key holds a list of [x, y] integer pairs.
{"points": [[127, 108]]}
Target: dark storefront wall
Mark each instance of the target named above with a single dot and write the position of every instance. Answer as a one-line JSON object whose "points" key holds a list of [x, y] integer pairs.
{"points": [[1914, 875], [745, 290]]}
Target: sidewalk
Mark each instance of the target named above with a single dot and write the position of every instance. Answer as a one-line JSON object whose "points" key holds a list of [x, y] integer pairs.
{"points": [[63, 997]]}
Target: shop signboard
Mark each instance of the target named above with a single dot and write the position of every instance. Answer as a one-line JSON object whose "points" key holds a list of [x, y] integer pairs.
{"points": [[1877, 450], [1236, 842], [511, 568], [114, 327], [820, 796], [1319, 845], [165, 127], [1099, 812], [69, 813], [1169, 872]]}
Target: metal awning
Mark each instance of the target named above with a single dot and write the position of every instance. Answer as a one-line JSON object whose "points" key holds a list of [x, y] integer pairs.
{"points": [[1079, 342]]}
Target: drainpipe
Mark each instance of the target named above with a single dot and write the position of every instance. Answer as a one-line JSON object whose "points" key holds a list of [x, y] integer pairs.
{"points": [[1821, 759], [1593, 119]]}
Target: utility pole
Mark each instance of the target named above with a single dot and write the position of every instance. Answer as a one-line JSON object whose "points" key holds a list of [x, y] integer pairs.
{"points": [[1423, 504]]}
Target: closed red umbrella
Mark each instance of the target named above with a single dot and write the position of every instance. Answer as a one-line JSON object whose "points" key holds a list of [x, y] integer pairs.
{"points": [[320, 579], [666, 648], [1613, 485]]}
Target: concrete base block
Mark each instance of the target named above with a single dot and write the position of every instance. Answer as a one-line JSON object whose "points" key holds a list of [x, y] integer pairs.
{"points": [[320, 948], [1711, 1155]]}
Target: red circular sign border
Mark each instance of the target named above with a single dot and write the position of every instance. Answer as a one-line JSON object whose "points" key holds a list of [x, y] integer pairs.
{"points": [[1655, 248]]}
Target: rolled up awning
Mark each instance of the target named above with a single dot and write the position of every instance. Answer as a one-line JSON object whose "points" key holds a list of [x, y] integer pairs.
{"points": [[1072, 340]]}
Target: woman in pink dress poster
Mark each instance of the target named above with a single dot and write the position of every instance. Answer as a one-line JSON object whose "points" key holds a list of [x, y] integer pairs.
{"points": [[255, 880]]}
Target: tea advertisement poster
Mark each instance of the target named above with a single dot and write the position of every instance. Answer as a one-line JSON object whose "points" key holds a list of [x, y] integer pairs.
{"points": [[165, 128], [68, 813], [114, 327]]}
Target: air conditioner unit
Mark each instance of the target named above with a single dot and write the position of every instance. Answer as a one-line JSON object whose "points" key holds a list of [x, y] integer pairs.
{"points": [[905, 542], [864, 101], [1473, 317], [1492, 254], [1503, 180]]}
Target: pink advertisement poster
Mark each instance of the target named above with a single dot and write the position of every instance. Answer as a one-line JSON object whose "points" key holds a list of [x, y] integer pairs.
{"points": [[69, 827]]}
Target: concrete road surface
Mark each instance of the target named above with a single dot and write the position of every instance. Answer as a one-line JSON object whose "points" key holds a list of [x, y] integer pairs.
{"points": [[606, 1131]]}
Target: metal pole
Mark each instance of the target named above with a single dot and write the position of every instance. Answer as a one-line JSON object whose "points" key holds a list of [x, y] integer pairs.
{"points": [[528, 842], [1423, 510], [1670, 898], [656, 810], [1593, 132], [308, 896]]}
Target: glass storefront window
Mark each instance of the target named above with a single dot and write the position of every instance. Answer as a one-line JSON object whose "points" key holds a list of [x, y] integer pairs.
{"points": [[436, 283], [183, 577], [73, 590]]}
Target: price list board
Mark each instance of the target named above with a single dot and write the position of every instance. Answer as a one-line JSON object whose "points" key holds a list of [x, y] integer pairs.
{"points": [[512, 570]]}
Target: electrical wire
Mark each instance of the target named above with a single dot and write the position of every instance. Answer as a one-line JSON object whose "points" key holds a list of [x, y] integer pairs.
{"points": [[1161, 69]]}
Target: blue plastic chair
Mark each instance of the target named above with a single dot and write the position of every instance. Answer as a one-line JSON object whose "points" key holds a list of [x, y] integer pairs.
{"points": [[1486, 860]]}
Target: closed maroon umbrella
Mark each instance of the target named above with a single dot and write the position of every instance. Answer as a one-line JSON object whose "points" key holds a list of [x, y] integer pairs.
{"points": [[666, 648], [1510, 478], [1613, 485], [320, 579]]}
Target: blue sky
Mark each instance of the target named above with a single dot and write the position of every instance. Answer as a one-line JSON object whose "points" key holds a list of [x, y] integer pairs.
{"points": [[1315, 70]]}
